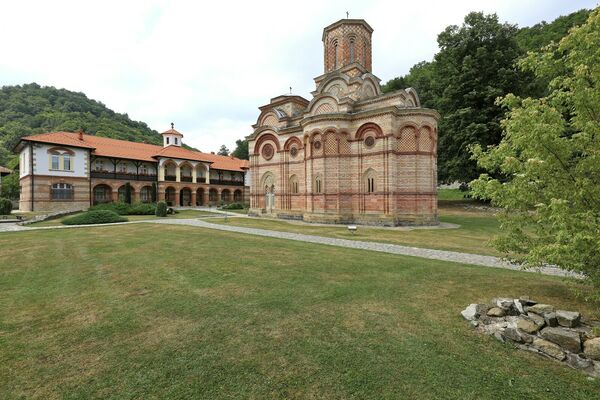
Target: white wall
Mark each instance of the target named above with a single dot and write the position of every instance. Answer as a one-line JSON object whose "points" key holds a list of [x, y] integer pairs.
{"points": [[24, 162], [42, 161]]}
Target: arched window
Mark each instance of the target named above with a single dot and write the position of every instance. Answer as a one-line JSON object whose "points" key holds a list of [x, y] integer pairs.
{"points": [[146, 194], [369, 181], [318, 184], [351, 45], [60, 159], [336, 60], [294, 187], [61, 191]]}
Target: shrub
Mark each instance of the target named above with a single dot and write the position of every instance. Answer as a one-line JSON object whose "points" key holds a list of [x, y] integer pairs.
{"points": [[94, 217], [5, 206], [161, 209], [233, 206], [142, 209]]}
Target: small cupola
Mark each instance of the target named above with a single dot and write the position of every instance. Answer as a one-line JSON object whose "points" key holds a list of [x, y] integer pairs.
{"points": [[171, 137]]}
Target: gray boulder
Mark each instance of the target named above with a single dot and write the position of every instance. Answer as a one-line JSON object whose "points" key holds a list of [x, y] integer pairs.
{"points": [[496, 312], [470, 313], [540, 309], [549, 348], [550, 319], [568, 340], [591, 348], [570, 319], [578, 362]]}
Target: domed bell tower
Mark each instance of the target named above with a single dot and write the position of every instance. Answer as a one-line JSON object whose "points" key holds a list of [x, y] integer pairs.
{"points": [[171, 137], [345, 42]]}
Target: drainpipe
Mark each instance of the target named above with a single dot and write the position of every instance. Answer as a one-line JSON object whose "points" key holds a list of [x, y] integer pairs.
{"points": [[90, 177], [32, 174]]}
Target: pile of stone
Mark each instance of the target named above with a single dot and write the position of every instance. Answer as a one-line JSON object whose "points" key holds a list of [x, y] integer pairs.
{"points": [[540, 328]]}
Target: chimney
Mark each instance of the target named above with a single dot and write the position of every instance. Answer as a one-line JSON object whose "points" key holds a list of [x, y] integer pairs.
{"points": [[81, 134]]}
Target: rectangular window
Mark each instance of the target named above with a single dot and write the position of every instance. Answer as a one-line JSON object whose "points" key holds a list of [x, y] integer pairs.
{"points": [[55, 161], [61, 191], [67, 162]]}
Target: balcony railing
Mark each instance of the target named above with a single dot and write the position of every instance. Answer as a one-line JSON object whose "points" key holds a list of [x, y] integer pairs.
{"points": [[226, 182], [122, 176], [186, 179], [200, 179], [170, 178]]}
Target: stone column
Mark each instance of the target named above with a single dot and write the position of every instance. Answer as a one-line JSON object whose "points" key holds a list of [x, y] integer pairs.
{"points": [[193, 200], [178, 174], [206, 198], [194, 175], [161, 173]]}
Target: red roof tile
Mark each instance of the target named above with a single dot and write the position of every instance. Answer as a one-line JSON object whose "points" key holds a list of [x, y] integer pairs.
{"points": [[107, 147]]}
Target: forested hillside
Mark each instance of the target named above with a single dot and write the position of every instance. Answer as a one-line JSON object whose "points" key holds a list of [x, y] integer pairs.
{"points": [[477, 63], [30, 109]]}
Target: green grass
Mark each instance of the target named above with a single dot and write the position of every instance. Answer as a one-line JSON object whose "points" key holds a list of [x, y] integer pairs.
{"points": [[114, 312], [179, 215], [451, 194], [473, 236]]}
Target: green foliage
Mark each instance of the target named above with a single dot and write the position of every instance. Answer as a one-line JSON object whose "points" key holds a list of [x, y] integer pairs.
{"points": [[161, 209], [233, 206], [223, 151], [94, 217], [123, 208], [241, 150], [128, 193], [10, 183], [5, 206], [548, 162], [475, 65], [154, 191], [30, 109]]}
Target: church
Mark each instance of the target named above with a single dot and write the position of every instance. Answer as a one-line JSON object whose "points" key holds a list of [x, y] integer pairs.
{"points": [[351, 154]]}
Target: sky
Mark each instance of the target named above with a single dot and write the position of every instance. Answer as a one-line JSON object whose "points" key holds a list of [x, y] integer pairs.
{"points": [[208, 66]]}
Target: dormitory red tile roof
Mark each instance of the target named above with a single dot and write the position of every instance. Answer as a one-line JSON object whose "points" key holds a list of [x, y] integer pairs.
{"points": [[107, 147]]}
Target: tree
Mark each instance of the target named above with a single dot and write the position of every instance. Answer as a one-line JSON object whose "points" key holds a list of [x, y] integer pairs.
{"points": [[548, 162], [241, 149], [475, 65], [223, 151]]}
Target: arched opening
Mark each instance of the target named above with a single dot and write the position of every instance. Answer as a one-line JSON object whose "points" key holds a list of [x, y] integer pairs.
{"points": [[125, 197], [146, 194], [238, 196], [185, 172], [213, 197], [170, 171], [170, 194], [102, 194], [268, 183], [201, 172], [226, 196], [318, 186], [200, 197], [185, 197]]}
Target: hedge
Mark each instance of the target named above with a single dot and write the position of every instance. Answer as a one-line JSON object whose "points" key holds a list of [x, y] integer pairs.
{"points": [[5, 206], [127, 209], [233, 206], [94, 217]]}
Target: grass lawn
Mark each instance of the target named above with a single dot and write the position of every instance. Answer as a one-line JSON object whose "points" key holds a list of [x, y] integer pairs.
{"points": [[473, 236], [105, 312], [180, 214], [450, 194]]}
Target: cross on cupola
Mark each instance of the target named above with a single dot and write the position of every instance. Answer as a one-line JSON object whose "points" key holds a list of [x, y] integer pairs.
{"points": [[171, 137]]}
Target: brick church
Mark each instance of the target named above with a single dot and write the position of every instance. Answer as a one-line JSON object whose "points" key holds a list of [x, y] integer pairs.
{"points": [[351, 154]]}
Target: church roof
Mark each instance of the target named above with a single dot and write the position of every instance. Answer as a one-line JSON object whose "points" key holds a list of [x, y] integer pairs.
{"points": [[172, 131], [107, 147]]}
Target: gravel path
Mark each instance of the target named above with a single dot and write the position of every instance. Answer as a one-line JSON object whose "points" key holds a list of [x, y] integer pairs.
{"points": [[452, 256]]}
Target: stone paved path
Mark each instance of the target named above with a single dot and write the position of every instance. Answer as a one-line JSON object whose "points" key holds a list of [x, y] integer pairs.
{"points": [[463, 258]]}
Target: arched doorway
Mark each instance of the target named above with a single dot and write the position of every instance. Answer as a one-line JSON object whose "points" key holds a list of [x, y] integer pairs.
{"points": [[146, 194], [200, 197], [170, 196], [268, 185], [237, 196], [102, 194], [226, 196], [185, 197]]}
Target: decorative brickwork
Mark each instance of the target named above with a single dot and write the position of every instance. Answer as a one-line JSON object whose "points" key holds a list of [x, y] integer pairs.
{"points": [[351, 154]]}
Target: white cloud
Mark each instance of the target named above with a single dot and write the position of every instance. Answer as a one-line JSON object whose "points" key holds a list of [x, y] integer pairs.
{"points": [[207, 66]]}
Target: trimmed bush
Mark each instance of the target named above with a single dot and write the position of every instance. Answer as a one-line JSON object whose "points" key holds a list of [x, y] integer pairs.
{"points": [[161, 209], [127, 209], [233, 206], [142, 209], [94, 217], [5, 206]]}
